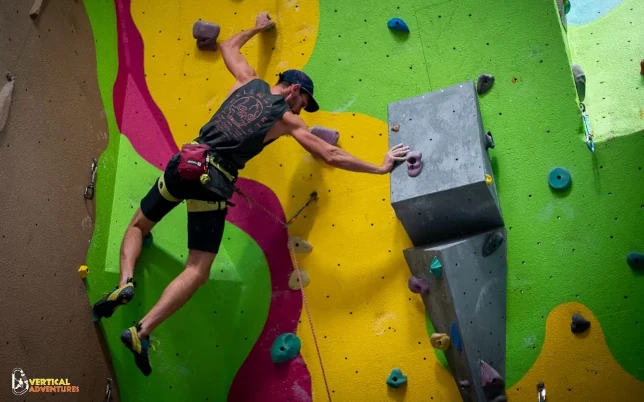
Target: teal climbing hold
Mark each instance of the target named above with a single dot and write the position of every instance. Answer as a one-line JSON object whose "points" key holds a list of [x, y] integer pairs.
{"points": [[567, 6], [285, 347], [396, 379], [436, 268], [635, 260], [456, 337], [148, 240], [397, 24], [559, 178]]}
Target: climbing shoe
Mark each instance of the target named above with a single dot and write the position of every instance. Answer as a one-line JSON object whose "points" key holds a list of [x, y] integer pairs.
{"points": [[139, 347], [112, 300]]}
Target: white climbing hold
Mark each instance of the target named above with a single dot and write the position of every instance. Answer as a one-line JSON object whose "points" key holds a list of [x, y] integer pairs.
{"points": [[5, 100], [300, 245], [35, 9], [294, 283]]}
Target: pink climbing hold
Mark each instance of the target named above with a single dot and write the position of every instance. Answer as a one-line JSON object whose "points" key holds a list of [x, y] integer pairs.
{"points": [[490, 378], [414, 163], [328, 135], [418, 285], [206, 34]]}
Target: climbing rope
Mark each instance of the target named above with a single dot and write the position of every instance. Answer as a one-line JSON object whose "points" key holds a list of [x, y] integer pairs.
{"points": [[250, 199]]}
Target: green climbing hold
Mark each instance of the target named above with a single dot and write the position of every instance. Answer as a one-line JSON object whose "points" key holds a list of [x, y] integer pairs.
{"points": [[396, 379], [559, 178], [285, 347], [567, 6], [436, 268]]}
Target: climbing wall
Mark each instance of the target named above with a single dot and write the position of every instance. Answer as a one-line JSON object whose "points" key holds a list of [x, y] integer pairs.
{"points": [[603, 40], [159, 89]]}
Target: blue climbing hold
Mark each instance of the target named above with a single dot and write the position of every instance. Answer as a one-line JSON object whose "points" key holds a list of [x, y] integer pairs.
{"points": [[559, 178], [397, 24], [456, 337], [436, 268], [635, 260], [396, 379], [285, 347], [148, 240]]}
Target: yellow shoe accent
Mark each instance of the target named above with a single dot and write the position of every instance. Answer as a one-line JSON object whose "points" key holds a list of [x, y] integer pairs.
{"points": [[115, 293], [136, 342]]}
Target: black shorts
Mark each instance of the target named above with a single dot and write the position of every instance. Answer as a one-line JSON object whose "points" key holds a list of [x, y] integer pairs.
{"points": [[206, 210]]}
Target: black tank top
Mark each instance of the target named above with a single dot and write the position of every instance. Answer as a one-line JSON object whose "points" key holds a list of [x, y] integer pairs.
{"points": [[236, 132]]}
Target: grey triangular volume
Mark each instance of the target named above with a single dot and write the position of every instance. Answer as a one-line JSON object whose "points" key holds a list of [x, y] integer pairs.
{"points": [[472, 294]]}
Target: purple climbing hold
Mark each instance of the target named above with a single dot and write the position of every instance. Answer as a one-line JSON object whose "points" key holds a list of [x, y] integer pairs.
{"points": [[490, 378], [414, 163], [418, 285], [329, 135], [206, 34]]}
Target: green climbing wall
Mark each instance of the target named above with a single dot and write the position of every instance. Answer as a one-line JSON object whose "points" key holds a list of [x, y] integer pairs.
{"points": [[562, 248]]}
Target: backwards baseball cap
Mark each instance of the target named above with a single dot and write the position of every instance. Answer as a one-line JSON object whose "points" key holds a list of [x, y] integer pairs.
{"points": [[306, 84]]}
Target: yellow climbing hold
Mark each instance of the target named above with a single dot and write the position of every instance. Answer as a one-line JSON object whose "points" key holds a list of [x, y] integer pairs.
{"points": [[294, 283], [83, 271], [488, 179], [440, 341]]}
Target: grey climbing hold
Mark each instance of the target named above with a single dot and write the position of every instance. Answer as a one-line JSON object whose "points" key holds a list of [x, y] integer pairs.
{"points": [[300, 245], [396, 379], [464, 384], [489, 141], [417, 285], [580, 81], [635, 260], [35, 9], [500, 398], [492, 243], [5, 99], [414, 163], [328, 135], [436, 268], [294, 281], [285, 347], [579, 324], [484, 83], [206, 34]]}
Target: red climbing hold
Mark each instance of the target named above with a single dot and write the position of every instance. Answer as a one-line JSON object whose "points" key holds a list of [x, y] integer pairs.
{"points": [[642, 67]]}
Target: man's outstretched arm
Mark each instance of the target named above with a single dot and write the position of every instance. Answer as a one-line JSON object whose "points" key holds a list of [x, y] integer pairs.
{"points": [[235, 62], [337, 157]]}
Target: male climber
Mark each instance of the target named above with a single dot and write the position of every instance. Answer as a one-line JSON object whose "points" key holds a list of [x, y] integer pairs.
{"points": [[253, 115]]}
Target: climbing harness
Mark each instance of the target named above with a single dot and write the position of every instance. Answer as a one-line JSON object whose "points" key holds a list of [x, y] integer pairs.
{"points": [[589, 135], [313, 197]]}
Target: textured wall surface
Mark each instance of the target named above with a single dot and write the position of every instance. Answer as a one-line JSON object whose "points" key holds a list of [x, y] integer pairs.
{"points": [[56, 126], [566, 252], [605, 39]]}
